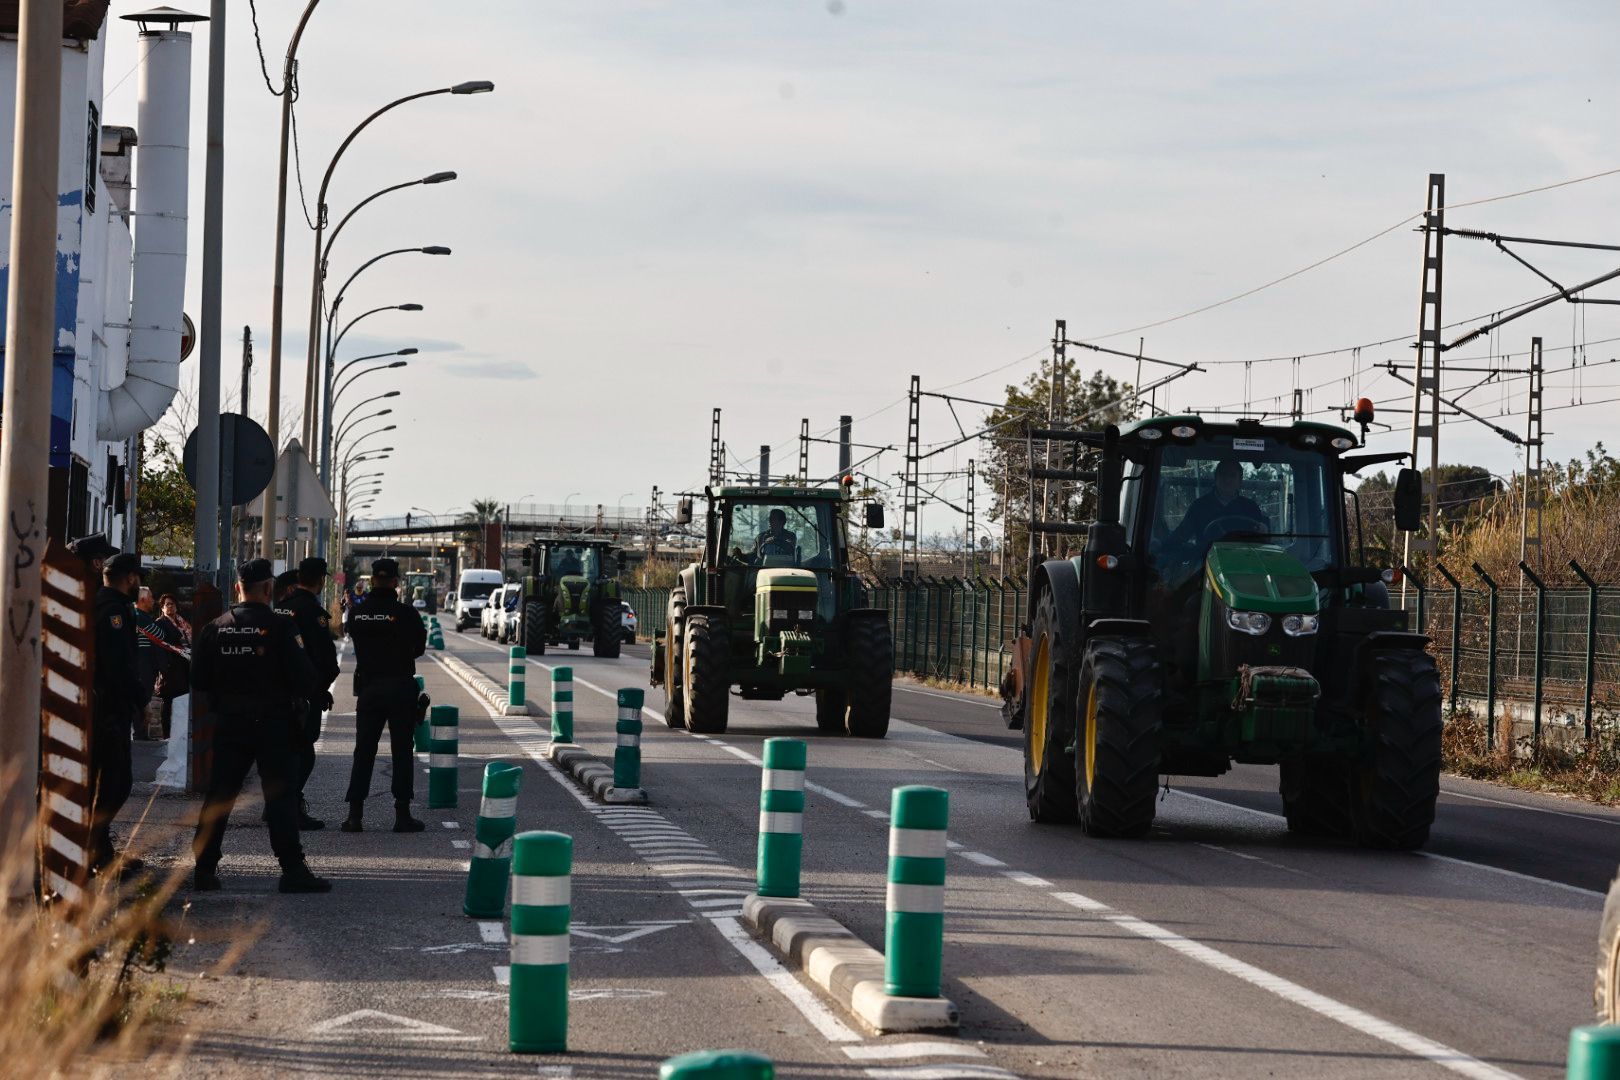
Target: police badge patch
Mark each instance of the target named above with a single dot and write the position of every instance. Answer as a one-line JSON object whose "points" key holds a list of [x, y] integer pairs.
{"points": [[117, 622]]}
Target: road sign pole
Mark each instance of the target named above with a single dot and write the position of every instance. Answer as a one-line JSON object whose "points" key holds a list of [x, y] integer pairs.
{"points": [[211, 494]]}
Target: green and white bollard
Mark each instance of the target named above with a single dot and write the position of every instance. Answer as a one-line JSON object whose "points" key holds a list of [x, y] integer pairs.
{"points": [[492, 847], [537, 995], [781, 817], [422, 721], [915, 936], [516, 673], [435, 633], [718, 1065], [562, 705], [627, 754], [444, 785], [1594, 1053]]}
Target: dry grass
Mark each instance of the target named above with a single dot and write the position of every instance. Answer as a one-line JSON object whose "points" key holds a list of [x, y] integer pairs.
{"points": [[1584, 770], [1578, 522]]}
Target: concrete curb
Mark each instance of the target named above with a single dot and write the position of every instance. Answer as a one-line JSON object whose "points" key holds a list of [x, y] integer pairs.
{"points": [[843, 965], [495, 696], [592, 775]]}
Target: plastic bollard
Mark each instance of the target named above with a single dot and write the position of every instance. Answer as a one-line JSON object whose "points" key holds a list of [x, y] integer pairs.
{"points": [[781, 818], [444, 785], [517, 671], [627, 754], [1594, 1053], [915, 931], [491, 864], [718, 1065], [537, 994], [562, 705]]}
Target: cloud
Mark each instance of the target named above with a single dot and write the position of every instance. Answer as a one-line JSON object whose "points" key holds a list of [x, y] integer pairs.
{"points": [[492, 369]]}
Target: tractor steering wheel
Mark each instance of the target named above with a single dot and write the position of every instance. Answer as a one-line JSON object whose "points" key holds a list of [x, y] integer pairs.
{"points": [[1224, 524]]}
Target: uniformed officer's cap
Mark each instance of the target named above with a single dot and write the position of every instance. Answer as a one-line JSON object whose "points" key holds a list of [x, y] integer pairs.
{"points": [[127, 563], [286, 579], [254, 571], [385, 568], [94, 546], [313, 566]]}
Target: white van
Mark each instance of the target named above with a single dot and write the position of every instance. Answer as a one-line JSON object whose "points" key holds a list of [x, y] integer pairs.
{"points": [[472, 593]]}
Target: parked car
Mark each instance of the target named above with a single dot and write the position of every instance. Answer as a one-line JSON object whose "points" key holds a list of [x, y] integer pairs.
{"points": [[627, 618], [472, 593], [511, 617], [494, 609]]}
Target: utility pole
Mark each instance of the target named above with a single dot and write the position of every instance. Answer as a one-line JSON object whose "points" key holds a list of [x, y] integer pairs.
{"points": [[1530, 517], [211, 496], [804, 450], [845, 438], [1426, 376], [717, 461], [765, 466], [1054, 410], [968, 566], [25, 437], [911, 495]]}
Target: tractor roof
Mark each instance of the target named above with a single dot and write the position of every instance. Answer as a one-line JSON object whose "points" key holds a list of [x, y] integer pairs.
{"points": [[742, 494], [1239, 427], [573, 541]]}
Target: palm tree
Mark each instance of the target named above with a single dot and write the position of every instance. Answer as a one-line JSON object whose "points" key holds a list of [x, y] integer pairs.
{"points": [[483, 512]]}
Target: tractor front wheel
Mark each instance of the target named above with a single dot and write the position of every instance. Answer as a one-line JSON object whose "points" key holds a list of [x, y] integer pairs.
{"points": [[1316, 797], [1606, 990], [674, 665], [609, 630], [534, 628], [708, 690], [1117, 751], [1049, 723], [871, 678], [1393, 795], [831, 706]]}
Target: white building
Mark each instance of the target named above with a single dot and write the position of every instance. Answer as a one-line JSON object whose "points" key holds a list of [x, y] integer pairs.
{"points": [[120, 264]]}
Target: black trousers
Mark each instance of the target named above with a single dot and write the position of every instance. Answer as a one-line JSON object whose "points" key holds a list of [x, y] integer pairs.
{"points": [[242, 740], [389, 704], [111, 777], [306, 738]]}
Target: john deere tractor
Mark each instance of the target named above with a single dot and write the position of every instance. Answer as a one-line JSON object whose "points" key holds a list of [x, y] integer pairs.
{"points": [[1219, 611], [773, 608], [571, 593]]}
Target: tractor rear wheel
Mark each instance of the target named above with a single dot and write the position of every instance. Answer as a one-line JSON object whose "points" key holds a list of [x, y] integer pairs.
{"points": [[1606, 990], [1117, 751], [830, 709], [609, 630], [674, 667], [534, 627], [871, 678], [1049, 723], [1316, 797], [708, 690], [1393, 795]]}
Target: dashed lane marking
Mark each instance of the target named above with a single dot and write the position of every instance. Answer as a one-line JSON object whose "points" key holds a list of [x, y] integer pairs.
{"points": [[492, 932], [462, 844], [890, 1051], [940, 1072]]}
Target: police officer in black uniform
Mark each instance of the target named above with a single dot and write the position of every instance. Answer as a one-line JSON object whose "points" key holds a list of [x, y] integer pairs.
{"points": [[119, 694], [388, 637], [284, 584], [302, 604], [252, 665]]}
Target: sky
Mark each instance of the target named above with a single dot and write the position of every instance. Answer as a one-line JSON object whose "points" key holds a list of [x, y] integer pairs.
{"points": [[786, 209]]}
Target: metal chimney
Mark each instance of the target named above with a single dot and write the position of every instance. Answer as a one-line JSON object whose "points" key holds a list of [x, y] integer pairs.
{"points": [[152, 375]]}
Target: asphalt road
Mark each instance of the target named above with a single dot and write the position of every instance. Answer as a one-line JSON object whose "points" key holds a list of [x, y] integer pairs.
{"points": [[1218, 946]]}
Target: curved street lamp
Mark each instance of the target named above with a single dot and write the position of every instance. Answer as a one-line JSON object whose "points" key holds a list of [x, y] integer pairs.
{"points": [[378, 397], [374, 432], [366, 371], [369, 416], [332, 346], [431, 178]]}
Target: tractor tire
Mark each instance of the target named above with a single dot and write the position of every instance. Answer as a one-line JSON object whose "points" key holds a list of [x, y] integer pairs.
{"points": [[1049, 723], [609, 631], [674, 686], [708, 689], [573, 644], [1606, 989], [871, 678], [534, 628], [1117, 737], [1316, 798], [1392, 796], [830, 709]]}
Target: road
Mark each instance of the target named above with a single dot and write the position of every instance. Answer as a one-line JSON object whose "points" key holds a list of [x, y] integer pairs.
{"points": [[1218, 946]]}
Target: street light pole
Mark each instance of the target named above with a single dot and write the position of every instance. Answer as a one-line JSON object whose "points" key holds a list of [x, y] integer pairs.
{"points": [[347, 427], [350, 381]]}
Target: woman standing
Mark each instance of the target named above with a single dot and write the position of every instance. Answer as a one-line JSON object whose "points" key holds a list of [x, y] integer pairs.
{"points": [[175, 678]]}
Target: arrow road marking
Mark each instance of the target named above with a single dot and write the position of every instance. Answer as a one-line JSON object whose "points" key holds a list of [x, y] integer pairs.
{"points": [[371, 1022]]}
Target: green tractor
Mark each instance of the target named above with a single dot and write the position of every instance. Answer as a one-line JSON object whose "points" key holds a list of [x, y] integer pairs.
{"points": [[772, 608], [1219, 612], [570, 593]]}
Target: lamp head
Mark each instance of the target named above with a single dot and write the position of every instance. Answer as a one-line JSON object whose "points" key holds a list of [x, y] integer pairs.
{"points": [[408, 307], [398, 363], [434, 249], [477, 86], [438, 177], [392, 393], [409, 350]]}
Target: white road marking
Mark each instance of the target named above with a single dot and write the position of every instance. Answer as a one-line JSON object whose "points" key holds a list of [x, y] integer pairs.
{"points": [[503, 975], [371, 1023], [821, 1018], [888, 1051], [451, 824], [981, 858], [602, 933], [941, 1072], [948, 697], [462, 844], [1593, 818], [716, 901], [492, 932], [1023, 877]]}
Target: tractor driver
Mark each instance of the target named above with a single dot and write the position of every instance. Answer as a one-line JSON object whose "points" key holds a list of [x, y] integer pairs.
{"points": [[568, 564], [778, 539], [1223, 510]]}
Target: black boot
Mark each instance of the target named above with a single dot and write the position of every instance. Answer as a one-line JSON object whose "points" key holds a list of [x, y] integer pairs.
{"points": [[353, 822], [403, 822], [205, 879], [300, 879], [306, 823]]}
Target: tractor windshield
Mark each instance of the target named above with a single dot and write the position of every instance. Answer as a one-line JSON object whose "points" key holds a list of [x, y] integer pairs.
{"points": [[1225, 487], [782, 534], [570, 560]]}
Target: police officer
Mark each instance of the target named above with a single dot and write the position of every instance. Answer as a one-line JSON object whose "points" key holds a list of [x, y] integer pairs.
{"points": [[253, 668], [302, 604], [388, 637], [284, 584], [119, 694]]}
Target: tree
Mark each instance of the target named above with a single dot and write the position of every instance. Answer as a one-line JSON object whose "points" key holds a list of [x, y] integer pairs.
{"points": [[472, 526], [165, 504], [1089, 403]]}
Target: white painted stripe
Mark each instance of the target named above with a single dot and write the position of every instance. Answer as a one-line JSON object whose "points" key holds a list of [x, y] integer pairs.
{"points": [[781, 821], [65, 806], [917, 843], [65, 733], [982, 859], [730, 913], [503, 975], [941, 1072], [492, 932], [783, 780], [838, 797], [451, 824], [880, 815], [716, 891], [446, 732], [890, 1051], [498, 808], [715, 901], [734, 752], [1292, 992], [462, 845], [540, 949], [441, 761], [66, 768], [810, 1007], [629, 740], [62, 887], [1023, 877], [73, 852], [701, 870], [627, 713], [503, 850], [915, 899], [531, 891]]}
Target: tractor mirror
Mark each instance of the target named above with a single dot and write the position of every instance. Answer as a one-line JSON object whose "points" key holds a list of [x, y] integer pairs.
{"points": [[1408, 500], [874, 515], [683, 511]]}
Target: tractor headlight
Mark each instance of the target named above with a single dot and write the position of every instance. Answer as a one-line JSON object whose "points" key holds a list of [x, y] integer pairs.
{"points": [[1250, 622], [1300, 625]]}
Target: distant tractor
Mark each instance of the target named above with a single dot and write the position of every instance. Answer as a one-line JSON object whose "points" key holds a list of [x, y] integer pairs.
{"points": [[773, 608], [1220, 610], [570, 594]]}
